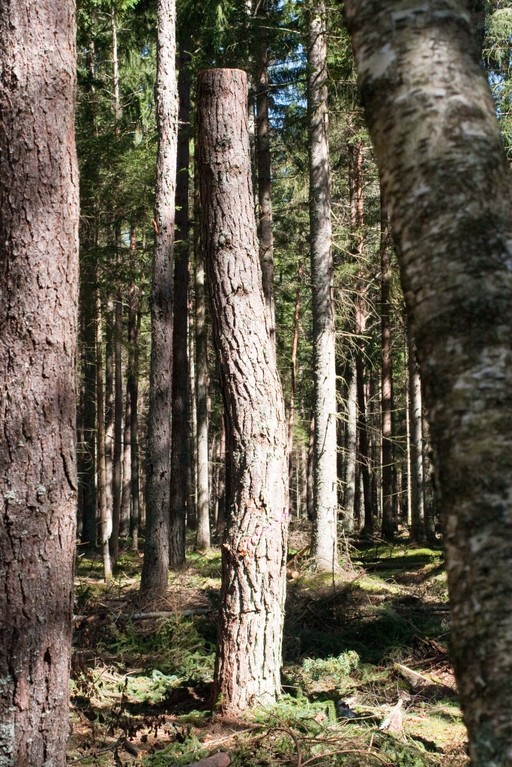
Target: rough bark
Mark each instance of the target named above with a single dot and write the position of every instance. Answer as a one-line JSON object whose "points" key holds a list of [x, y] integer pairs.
{"points": [[446, 180], [254, 548], [158, 480], [324, 548], [38, 325]]}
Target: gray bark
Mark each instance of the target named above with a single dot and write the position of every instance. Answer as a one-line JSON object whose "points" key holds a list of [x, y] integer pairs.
{"points": [[158, 481], [446, 180], [202, 381], [416, 473], [324, 547]]}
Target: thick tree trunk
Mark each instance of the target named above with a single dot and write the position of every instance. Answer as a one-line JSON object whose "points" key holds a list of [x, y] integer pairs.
{"points": [[158, 481], [324, 549], [446, 180], [38, 325], [254, 548]]}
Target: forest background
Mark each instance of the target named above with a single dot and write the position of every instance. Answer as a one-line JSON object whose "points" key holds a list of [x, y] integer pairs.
{"points": [[383, 469]]}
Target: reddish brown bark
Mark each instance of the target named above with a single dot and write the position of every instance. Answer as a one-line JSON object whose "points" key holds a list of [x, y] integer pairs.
{"points": [[38, 299], [254, 548]]}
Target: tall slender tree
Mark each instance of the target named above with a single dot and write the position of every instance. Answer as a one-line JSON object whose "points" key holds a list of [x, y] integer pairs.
{"points": [[38, 325], [262, 12], [433, 125], [254, 548], [324, 538], [388, 489], [156, 547], [201, 392], [180, 457]]}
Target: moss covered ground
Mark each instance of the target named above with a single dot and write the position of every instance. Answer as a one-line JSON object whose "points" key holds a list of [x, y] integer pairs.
{"points": [[366, 673]]}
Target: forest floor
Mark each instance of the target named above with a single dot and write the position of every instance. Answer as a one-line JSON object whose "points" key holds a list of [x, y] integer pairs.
{"points": [[366, 675]]}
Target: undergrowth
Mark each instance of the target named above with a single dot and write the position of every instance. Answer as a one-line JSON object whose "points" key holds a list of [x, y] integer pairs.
{"points": [[142, 686]]}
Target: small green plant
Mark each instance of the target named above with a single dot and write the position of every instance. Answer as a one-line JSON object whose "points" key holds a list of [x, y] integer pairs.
{"points": [[297, 712], [175, 646], [405, 754], [316, 676], [342, 665], [181, 752]]}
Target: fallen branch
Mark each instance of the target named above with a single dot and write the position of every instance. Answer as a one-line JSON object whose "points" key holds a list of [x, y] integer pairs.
{"points": [[150, 615], [417, 680]]}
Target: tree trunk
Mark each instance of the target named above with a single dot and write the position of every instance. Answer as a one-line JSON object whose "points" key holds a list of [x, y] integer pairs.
{"points": [[263, 158], [158, 481], [180, 399], [363, 478], [109, 410], [351, 474], [416, 483], [445, 177], [117, 476], [324, 549], [293, 378], [389, 522], [192, 398], [126, 495], [133, 393], [103, 509], [87, 475], [363, 442], [38, 326], [202, 379], [254, 548]]}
